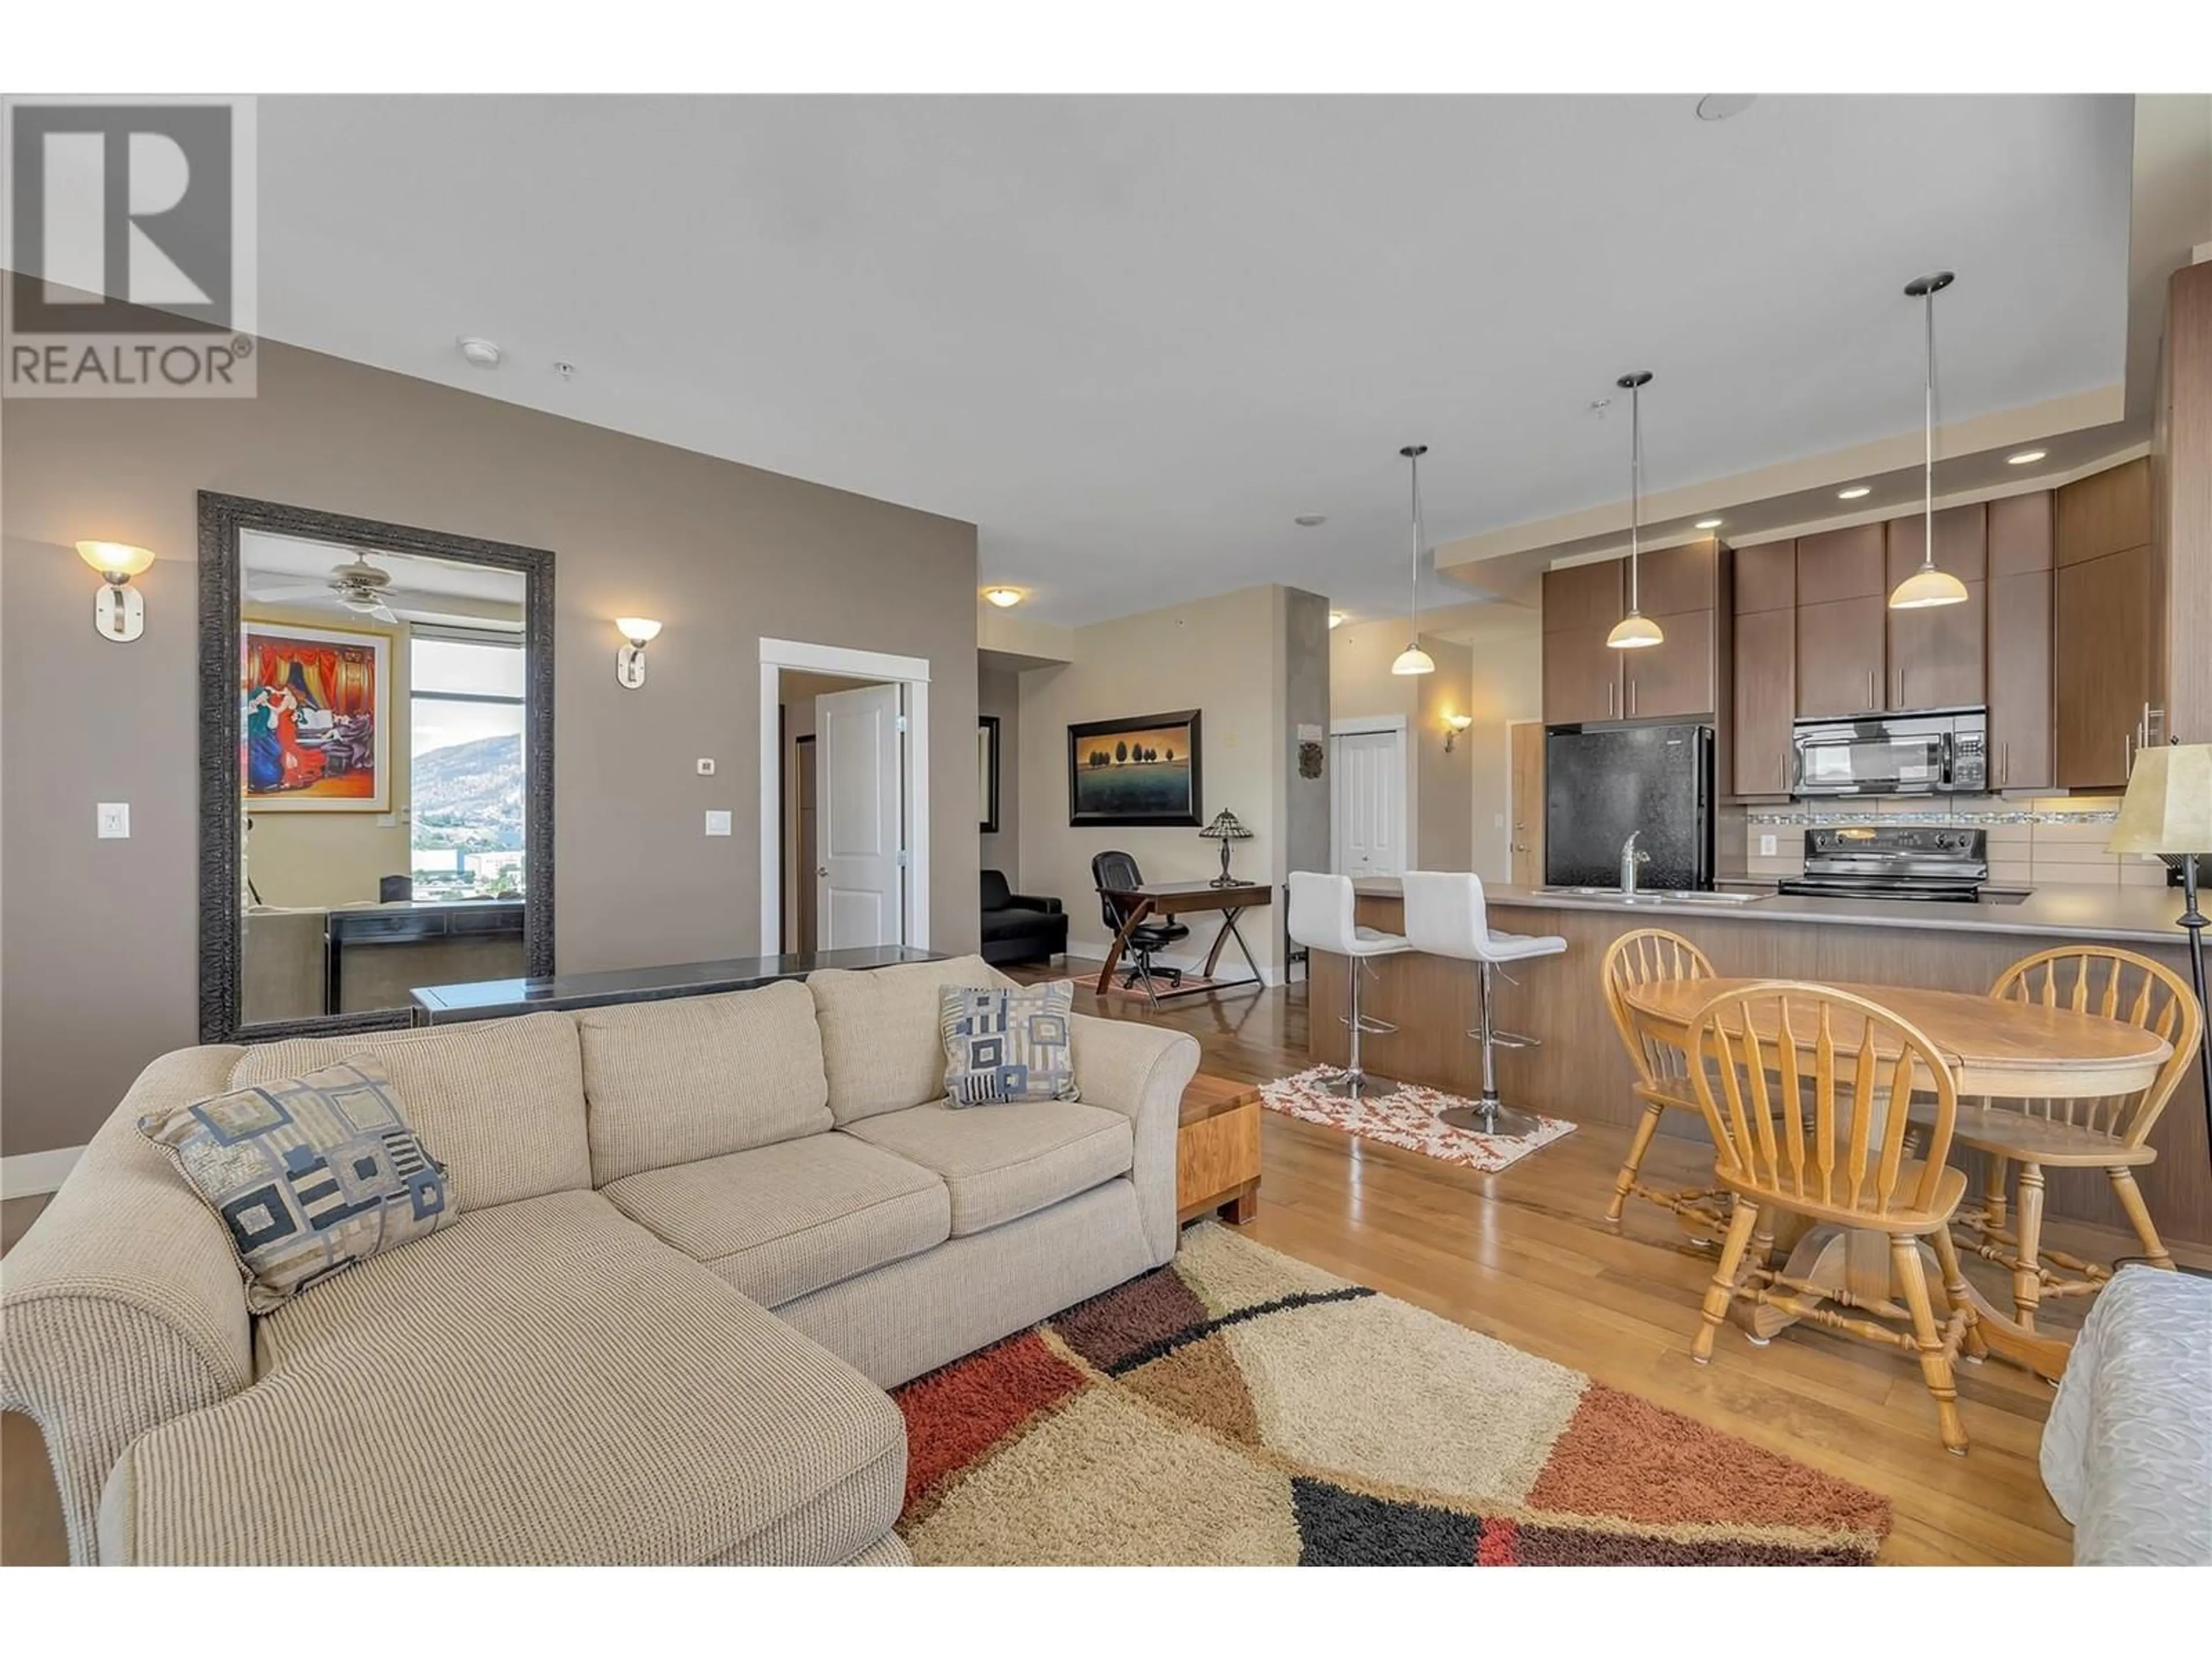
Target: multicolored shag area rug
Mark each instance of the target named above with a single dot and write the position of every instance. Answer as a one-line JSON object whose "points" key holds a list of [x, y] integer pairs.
{"points": [[1240, 1407], [1406, 1117]]}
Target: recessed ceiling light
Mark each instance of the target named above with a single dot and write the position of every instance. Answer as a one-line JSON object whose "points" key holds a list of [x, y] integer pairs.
{"points": [[2025, 457], [1707, 524], [1335, 617], [1719, 105], [1308, 520], [1854, 492], [1002, 597]]}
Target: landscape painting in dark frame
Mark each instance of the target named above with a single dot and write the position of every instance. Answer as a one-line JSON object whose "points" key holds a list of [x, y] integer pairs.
{"points": [[1142, 770]]}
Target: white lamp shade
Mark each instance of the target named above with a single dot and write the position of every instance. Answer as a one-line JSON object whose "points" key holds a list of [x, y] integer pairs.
{"points": [[1633, 632], [1002, 597], [638, 630], [2168, 806], [114, 558], [1414, 660], [1927, 587]]}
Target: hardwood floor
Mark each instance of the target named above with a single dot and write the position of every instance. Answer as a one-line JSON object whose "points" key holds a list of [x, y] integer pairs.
{"points": [[1527, 1256]]}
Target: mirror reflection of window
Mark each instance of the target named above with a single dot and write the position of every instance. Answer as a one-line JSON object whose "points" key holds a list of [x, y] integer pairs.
{"points": [[465, 708]]}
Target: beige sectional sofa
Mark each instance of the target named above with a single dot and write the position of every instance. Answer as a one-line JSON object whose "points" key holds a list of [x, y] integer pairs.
{"points": [[697, 1239]]}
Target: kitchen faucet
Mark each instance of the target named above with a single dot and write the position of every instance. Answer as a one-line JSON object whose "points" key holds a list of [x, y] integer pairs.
{"points": [[1629, 858]]}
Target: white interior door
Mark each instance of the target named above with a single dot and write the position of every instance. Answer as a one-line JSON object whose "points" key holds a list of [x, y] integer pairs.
{"points": [[1368, 802], [858, 882]]}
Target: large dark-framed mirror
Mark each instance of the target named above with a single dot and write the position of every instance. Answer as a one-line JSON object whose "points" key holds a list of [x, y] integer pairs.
{"points": [[376, 767]]}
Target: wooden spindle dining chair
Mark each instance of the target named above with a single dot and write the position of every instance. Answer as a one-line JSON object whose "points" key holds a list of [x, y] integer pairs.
{"points": [[1855, 1068], [2109, 1134], [1662, 1078]]}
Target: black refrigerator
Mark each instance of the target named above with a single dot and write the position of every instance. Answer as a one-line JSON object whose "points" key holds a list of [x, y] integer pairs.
{"points": [[1599, 784]]}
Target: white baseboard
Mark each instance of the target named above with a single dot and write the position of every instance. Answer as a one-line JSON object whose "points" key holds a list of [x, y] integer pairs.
{"points": [[25, 1174], [1231, 965]]}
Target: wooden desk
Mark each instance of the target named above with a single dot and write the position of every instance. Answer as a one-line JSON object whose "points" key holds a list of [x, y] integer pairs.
{"points": [[1217, 1151], [2003, 1050], [1175, 898]]}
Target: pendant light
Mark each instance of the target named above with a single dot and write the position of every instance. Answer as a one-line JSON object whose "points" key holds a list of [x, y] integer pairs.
{"points": [[1413, 660], [1928, 586], [1634, 631]]}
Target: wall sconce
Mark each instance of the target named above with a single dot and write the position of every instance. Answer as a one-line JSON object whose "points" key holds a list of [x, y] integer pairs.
{"points": [[1454, 725], [119, 612], [637, 632]]}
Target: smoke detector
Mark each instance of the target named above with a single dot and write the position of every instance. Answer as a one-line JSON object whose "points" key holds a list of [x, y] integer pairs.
{"points": [[480, 353]]}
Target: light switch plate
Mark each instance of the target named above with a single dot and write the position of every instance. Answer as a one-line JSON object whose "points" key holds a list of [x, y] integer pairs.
{"points": [[113, 820], [706, 767], [718, 824], [1766, 846]]}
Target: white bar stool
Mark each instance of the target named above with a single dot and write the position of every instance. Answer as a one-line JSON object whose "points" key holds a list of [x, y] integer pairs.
{"points": [[1321, 919], [1445, 916]]}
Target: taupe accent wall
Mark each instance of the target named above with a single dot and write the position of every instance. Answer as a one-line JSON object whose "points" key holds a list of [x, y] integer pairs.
{"points": [[99, 938]]}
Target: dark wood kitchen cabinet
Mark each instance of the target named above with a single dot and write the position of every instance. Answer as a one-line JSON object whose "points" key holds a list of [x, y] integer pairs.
{"points": [[1765, 693], [2021, 752], [2104, 666], [1676, 677], [1937, 656], [1582, 674], [1842, 657]]}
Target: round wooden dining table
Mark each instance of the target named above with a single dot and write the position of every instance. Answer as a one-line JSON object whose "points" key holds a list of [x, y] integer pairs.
{"points": [[1995, 1049]]}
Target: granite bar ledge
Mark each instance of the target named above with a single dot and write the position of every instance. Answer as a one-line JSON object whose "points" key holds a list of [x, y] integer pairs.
{"points": [[497, 999]]}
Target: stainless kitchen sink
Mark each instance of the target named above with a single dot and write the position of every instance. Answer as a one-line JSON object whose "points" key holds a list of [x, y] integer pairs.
{"points": [[1652, 898]]}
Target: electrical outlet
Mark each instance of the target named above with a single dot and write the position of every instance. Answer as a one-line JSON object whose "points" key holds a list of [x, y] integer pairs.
{"points": [[718, 824], [113, 820], [1766, 846], [706, 767]]}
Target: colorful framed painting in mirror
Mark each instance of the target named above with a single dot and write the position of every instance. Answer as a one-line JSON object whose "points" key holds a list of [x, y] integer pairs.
{"points": [[313, 704]]}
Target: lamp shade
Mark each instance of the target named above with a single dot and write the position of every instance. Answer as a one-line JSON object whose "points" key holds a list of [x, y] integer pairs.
{"points": [[638, 630], [1633, 632], [1927, 587], [1414, 660], [1226, 826], [115, 558], [2168, 806]]}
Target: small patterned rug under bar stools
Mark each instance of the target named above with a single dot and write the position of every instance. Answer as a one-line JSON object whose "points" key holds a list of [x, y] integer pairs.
{"points": [[1239, 1407], [1407, 1118]]}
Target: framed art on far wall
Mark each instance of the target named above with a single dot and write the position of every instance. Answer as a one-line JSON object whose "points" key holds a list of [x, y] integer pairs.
{"points": [[1142, 770], [313, 707]]}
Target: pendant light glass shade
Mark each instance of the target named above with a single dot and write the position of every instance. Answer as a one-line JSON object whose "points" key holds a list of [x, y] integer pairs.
{"points": [[1413, 660], [1928, 586], [1635, 631]]}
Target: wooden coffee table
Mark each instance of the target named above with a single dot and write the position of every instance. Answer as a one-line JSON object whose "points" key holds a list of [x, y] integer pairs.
{"points": [[1217, 1151]]}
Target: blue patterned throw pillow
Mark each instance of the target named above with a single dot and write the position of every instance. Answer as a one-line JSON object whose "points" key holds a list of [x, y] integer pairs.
{"points": [[310, 1175], [1008, 1044]]}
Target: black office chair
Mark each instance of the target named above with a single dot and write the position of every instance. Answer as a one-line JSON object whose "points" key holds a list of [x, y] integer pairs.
{"points": [[1112, 873]]}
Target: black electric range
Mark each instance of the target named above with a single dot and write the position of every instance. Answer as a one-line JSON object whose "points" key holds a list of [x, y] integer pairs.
{"points": [[1901, 861]]}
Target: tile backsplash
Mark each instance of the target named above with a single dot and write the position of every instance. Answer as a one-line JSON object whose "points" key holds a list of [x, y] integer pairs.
{"points": [[2048, 843]]}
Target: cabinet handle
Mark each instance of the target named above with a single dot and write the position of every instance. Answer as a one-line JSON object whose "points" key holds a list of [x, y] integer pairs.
{"points": [[1608, 701], [1632, 697], [1901, 702], [1874, 699], [2004, 761]]}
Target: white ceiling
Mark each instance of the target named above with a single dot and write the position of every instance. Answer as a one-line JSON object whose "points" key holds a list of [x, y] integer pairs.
{"points": [[1131, 338]]}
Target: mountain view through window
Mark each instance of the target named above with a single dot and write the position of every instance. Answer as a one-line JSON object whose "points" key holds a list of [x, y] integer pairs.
{"points": [[465, 708]]}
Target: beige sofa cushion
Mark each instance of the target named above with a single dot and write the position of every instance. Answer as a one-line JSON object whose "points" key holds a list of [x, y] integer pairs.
{"points": [[673, 1082], [881, 1044], [1000, 1161], [501, 1100], [541, 1383], [780, 1221]]}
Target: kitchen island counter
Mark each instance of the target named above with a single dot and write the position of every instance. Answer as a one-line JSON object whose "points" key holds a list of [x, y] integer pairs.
{"points": [[2116, 915], [1580, 1073]]}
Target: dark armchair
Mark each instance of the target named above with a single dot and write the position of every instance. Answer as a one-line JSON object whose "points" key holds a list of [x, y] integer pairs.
{"points": [[1020, 927]]}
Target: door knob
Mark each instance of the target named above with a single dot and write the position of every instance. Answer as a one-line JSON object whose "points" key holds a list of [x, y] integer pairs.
{"points": [[823, 872]]}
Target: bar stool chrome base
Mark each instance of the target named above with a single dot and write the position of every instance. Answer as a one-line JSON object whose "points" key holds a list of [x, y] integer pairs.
{"points": [[1489, 1117]]}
